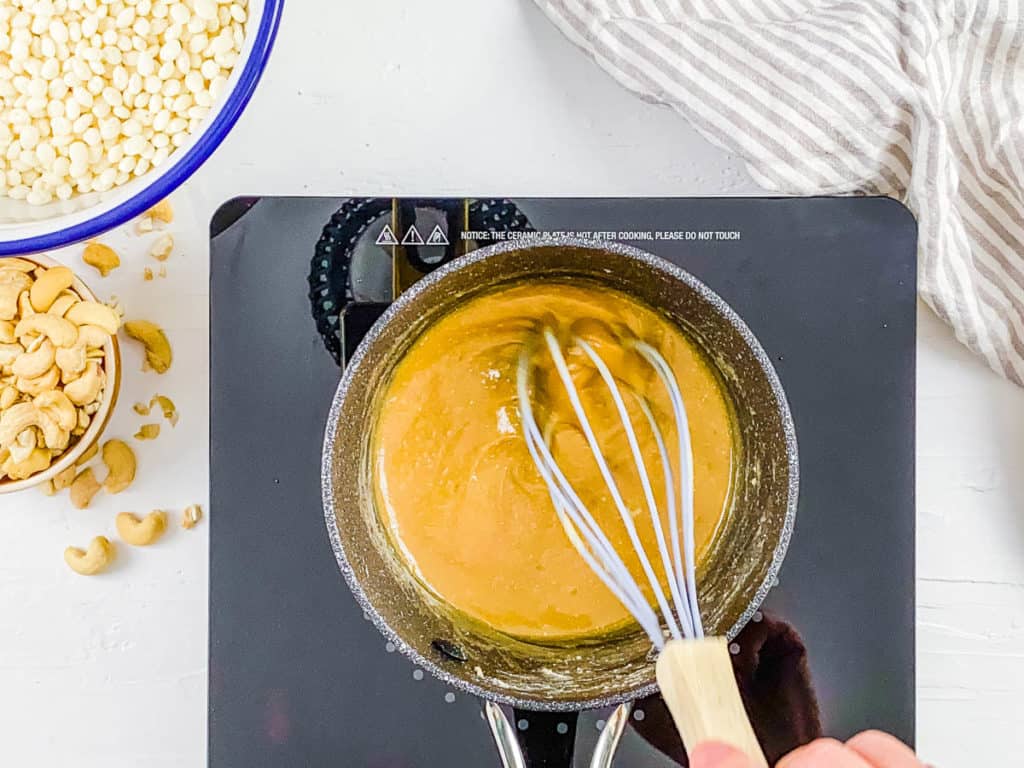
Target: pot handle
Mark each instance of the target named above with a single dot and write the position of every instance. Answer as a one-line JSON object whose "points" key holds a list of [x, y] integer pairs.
{"points": [[511, 743], [550, 739]]}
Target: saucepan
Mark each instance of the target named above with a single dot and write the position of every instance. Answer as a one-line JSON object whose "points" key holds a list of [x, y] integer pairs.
{"points": [[543, 679]]}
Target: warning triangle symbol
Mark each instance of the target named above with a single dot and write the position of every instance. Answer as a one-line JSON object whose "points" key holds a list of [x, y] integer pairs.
{"points": [[412, 237], [387, 236], [437, 237]]}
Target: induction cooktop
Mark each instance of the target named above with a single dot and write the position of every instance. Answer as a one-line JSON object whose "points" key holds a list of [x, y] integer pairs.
{"points": [[300, 677]]}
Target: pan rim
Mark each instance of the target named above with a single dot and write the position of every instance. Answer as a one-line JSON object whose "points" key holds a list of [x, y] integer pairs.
{"points": [[652, 261]]}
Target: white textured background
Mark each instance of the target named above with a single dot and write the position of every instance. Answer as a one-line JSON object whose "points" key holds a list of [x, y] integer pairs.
{"points": [[451, 97]]}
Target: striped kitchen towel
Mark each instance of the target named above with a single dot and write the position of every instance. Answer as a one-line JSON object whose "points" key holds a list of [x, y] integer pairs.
{"points": [[922, 100]]}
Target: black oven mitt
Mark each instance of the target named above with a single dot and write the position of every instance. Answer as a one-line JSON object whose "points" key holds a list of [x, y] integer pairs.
{"points": [[775, 683]]}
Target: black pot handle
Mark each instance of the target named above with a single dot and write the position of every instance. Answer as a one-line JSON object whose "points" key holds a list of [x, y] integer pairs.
{"points": [[549, 739]]}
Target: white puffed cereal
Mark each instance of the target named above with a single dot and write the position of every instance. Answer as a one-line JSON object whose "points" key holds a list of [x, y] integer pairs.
{"points": [[94, 92]]}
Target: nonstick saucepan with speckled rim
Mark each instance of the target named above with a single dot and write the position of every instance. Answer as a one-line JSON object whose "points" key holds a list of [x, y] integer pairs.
{"points": [[737, 572]]}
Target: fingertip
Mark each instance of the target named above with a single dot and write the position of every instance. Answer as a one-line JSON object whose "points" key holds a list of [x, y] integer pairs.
{"points": [[714, 754], [878, 745]]}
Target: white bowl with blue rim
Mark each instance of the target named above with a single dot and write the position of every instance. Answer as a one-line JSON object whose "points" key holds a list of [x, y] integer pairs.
{"points": [[26, 228]]}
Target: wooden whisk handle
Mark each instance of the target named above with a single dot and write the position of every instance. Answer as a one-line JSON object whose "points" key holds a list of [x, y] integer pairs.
{"points": [[697, 682]]}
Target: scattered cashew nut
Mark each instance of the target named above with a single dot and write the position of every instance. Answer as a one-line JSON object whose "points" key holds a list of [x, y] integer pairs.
{"points": [[141, 533], [93, 560], [120, 461], [102, 257], [63, 479], [191, 516], [162, 247], [148, 432], [7, 335], [83, 488], [158, 349], [165, 404], [162, 211], [48, 287]]}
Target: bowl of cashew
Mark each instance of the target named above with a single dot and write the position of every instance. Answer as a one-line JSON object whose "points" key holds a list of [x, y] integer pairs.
{"points": [[60, 371]]}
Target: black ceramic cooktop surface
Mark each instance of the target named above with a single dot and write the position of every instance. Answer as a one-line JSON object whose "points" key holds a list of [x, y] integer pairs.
{"points": [[298, 677]]}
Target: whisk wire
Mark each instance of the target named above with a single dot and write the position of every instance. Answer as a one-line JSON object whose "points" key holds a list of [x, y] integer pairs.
{"points": [[686, 480], [583, 531], [679, 592], [577, 521], [682, 609], [609, 479]]}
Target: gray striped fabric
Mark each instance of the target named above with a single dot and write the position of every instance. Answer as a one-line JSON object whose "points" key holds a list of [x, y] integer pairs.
{"points": [[917, 99]]}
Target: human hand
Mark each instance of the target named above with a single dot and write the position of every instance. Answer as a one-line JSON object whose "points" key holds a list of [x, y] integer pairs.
{"points": [[871, 749]]}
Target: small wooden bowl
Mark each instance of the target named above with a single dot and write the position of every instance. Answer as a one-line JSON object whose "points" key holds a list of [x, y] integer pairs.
{"points": [[112, 367]]}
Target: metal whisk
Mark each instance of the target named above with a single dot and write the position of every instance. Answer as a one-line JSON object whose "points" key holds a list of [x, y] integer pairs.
{"points": [[694, 673], [677, 554]]}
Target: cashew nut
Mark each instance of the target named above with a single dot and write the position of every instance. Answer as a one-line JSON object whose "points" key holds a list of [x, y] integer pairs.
{"points": [[7, 335], [165, 404], [94, 313], [62, 304], [86, 388], [63, 479], [58, 407], [9, 353], [14, 420], [39, 384], [83, 488], [120, 461], [93, 560], [58, 329], [32, 364], [20, 265], [191, 516], [141, 533], [12, 283], [8, 397], [158, 349], [37, 461], [92, 336], [148, 432], [162, 211], [101, 256], [23, 445], [71, 360], [162, 247], [25, 304], [48, 287], [87, 454]]}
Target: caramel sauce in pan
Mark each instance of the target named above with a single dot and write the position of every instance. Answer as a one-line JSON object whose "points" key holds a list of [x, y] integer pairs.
{"points": [[458, 493]]}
